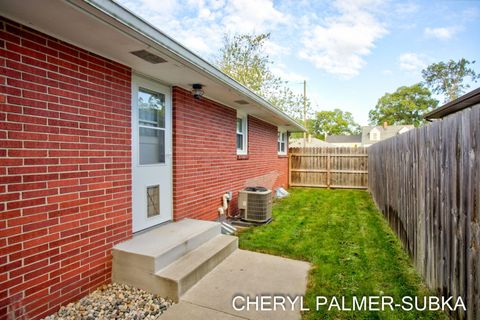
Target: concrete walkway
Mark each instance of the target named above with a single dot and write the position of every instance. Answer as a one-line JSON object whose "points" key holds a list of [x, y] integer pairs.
{"points": [[244, 273]]}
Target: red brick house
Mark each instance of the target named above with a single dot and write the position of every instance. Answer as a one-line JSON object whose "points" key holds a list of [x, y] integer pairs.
{"points": [[97, 115]]}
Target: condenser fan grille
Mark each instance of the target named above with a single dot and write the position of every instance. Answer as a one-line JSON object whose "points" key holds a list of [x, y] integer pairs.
{"points": [[256, 206]]}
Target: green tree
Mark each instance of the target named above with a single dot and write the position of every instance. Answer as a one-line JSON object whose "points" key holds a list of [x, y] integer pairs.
{"points": [[328, 123], [448, 77], [406, 105], [243, 58], [286, 100]]}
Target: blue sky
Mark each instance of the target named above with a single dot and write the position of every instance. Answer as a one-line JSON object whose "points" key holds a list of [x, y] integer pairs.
{"points": [[351, 52]]}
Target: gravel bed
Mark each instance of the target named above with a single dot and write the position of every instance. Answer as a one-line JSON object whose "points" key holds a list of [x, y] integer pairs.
{"points": [[114, 301]]}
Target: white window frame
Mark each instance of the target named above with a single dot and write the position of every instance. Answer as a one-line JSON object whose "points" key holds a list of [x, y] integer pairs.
{"points": [[244, 118], [282, 133], [140, 125], [375, 135]]}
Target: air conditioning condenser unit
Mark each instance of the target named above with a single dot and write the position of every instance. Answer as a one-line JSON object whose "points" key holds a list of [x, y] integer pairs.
{"points": [[255, 204]]}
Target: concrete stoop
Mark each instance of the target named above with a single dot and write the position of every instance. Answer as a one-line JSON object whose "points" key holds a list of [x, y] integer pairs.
{"points": [[172, 258]]}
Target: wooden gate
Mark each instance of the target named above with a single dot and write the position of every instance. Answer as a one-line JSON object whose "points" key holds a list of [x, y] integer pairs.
{"points": [[328, 167]]}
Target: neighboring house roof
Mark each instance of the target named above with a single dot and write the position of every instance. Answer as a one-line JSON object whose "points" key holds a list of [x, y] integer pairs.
{"points": [[385, 132], [463, 102], [310, 143], [109, 30], [356, 138]]}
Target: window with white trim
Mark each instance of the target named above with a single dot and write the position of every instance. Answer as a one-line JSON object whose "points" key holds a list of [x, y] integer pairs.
{"points": [[374, 134], [242, 130], [282, 143]]}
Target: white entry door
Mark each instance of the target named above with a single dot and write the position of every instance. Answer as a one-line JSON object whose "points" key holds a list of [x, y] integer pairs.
{"points": [[151, 153]]}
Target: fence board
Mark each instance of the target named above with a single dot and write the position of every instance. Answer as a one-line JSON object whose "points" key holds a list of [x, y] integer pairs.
{"points": [[427, 184], [328, 167]]}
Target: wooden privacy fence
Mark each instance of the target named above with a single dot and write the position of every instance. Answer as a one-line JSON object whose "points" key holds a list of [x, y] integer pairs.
{"points": [[328, 167], [427, 184]]}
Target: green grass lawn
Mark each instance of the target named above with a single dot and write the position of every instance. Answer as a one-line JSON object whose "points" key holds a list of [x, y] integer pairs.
{"points": [[350, 245]]}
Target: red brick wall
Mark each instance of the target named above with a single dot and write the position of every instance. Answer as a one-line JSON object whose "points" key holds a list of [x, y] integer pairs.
{"points": [[65, 170], [205, 163], [65, 167]]}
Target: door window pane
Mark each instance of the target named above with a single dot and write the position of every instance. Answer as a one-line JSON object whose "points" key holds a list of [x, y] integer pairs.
{"points": [[151, 115], [151, 107], [152, 146]]}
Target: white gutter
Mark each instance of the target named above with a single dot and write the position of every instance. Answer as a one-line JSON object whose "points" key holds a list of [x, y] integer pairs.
{"points": [[146, 30]]}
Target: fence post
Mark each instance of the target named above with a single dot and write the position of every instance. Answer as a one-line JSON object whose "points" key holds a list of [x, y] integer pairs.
{"points": [[328, 171], [289, 169]]}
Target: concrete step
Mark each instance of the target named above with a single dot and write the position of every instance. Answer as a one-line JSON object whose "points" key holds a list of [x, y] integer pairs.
{"points": [[184, 273], [136, 261]]}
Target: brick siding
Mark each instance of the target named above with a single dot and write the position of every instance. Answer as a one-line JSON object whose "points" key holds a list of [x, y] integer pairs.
{"points": [[65, 167], [65, 170], [205, 162]]}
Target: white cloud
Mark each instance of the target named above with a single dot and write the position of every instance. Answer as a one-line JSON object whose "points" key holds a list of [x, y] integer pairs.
{"points": [[442, 33], [338, 44], [412, 61], [273, 48], [387, 72], [196, 43], [406, 8], [336, 41], [251, 16], [216, 4], [281, 71], [201, 24], [407, 26], [168, 7]]}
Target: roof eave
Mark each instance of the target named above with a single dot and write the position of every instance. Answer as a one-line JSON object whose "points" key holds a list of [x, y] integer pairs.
{"points": [[145, 29], [463, 102]]}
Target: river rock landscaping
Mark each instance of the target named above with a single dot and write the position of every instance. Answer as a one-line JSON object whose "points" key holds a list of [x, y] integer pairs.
{"points": [[114, 301]]}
